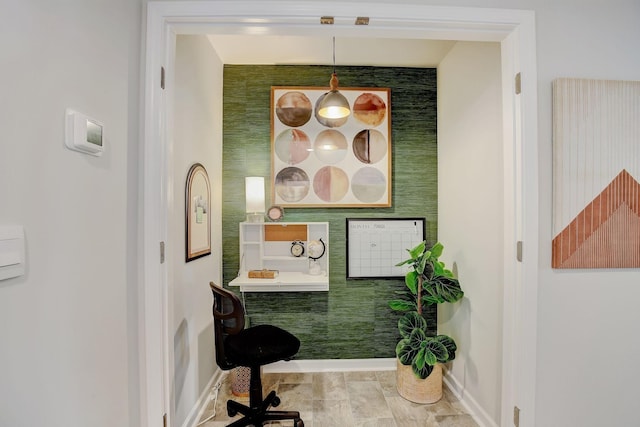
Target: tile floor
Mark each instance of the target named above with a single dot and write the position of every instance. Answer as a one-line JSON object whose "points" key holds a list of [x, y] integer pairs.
{"points": [[347, 399]]}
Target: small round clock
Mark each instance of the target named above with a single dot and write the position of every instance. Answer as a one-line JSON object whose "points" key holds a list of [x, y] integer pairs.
{"points": [[297, 248], [275, 213]]}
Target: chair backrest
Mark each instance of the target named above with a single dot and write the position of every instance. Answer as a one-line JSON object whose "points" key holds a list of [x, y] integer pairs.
{"points": [[228, 319]]}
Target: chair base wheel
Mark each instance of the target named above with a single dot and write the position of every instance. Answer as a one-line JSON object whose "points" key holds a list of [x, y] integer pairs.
{"points": [[232, 411], [275, 402]]}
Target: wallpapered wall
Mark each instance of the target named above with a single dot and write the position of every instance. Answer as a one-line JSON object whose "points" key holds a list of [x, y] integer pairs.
{"points": [[352, 319]]}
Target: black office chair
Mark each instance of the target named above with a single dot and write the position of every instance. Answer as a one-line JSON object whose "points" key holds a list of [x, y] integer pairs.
{"points": [[251, 347]]}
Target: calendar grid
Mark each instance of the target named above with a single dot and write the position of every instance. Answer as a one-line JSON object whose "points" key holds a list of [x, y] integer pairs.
{"points": [[375, 246]]}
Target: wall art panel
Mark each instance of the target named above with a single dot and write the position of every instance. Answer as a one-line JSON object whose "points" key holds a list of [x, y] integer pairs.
{"points": [[319, 162], [596, 149]]}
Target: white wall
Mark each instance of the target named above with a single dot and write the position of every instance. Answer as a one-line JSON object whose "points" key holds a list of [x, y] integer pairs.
{"points": [[197, 138], [470, 216], [68, 327], [587, 319]]}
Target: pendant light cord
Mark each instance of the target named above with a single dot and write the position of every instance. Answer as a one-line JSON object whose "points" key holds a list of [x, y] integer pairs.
{"points": [[334, 54]]}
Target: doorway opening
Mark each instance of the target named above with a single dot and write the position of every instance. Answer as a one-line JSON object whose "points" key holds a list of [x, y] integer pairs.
{"points": [[514, 30]]}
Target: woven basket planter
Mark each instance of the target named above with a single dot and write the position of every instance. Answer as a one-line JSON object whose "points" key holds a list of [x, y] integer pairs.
{"points": [[428, 390]]}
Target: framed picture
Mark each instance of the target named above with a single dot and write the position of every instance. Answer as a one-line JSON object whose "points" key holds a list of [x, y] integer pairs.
{"points": [[319, 162], [376, 245], [197, 213]]}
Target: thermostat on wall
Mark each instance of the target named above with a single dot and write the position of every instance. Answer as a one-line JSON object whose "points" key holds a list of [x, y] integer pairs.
{"points": [[84, 134]]}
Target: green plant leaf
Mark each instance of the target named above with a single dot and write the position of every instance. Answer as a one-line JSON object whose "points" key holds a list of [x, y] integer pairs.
{"points": [[435, 352], [438, 268], [401, 305], [420, 265], [427, 273], [436, 249], [410, 322], [442, 289], [400, 347], [450, 344], [447, 273], [406, 261], [411, 280], [419, 359], [422, 373], [405, 352], [417, 251], [417, 337], [430, 358]]}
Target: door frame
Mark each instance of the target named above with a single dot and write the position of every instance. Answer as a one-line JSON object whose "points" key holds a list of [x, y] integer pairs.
{"points": [[513, 29]]}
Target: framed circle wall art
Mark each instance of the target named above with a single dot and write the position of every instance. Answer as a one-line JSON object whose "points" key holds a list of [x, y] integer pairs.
{"points": [[320, 162]]}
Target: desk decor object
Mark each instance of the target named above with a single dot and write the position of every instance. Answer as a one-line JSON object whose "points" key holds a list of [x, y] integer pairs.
{"points": [[596, 169], [317, 249], [275, 213], [297, 248], [263, 274], [197, 213], [323, 162]]}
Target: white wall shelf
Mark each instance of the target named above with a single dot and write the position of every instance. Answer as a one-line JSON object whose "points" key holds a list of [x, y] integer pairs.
{"points": [[268, 246]]}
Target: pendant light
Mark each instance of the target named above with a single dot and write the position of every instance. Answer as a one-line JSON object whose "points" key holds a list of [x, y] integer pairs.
{"points": [[333, 104]]}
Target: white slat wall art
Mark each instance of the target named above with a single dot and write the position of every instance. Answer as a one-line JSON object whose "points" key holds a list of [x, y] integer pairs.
{"points": [[596, 173]]}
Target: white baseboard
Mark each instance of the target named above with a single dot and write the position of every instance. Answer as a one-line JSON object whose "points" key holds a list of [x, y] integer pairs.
{"points": [[332, 365], [201, 404], [471, 405]]}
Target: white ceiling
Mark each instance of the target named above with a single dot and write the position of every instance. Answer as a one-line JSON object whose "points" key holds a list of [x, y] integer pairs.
{"points": [[317, 50]]}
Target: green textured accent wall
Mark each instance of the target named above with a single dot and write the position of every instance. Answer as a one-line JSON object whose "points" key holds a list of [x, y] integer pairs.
{"points": [[352, 320]]}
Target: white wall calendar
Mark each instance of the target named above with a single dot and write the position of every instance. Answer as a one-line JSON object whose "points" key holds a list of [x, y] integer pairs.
{"points": [[376, 245]]}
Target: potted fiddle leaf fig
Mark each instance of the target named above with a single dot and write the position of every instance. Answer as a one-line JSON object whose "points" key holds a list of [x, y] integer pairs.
{"points": [[419, 353]]}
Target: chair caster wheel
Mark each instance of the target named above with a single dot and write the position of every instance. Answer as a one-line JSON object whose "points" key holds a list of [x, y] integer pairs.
{"points": [[299, 423], [275, 402], [231, 412]]}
